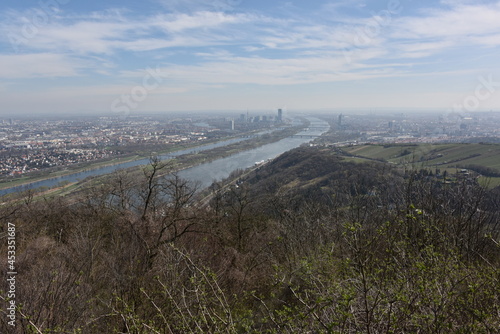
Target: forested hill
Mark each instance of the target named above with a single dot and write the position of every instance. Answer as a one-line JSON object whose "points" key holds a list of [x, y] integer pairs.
{"points": [[326, 176], [321, 175], [311, 242]]}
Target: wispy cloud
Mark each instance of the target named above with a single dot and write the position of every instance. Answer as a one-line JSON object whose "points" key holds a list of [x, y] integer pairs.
{"points": [[263, 71], [172, 23], [41, 65], [436, 30], [105, 34], [218, 43], [196, 5]]}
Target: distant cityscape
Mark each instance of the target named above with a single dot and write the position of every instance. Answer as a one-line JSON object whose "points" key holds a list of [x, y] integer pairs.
{"points": [[420, 128], [28, 145]]}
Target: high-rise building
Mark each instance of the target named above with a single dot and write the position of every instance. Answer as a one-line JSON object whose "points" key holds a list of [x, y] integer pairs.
{"points": [[280, 115]]}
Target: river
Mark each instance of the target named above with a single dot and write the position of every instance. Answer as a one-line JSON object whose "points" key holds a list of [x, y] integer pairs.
{"points": [[203, 174], [219, 169]]}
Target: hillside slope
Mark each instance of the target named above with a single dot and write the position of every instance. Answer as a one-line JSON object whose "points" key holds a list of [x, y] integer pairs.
{"points": [[309, 242]]}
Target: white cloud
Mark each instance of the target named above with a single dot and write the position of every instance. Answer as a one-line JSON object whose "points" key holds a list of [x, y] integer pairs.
{"points": [[262, 71], [41, 65], [491, 40], [421, 50], [82, 35], [111, 33], [172, 23], [334, 7], [196, 5], [452, 25]]}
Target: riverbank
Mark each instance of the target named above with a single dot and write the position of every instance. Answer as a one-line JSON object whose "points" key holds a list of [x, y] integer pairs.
{"points": [[61, 172], [181, 162], [187, 161]]}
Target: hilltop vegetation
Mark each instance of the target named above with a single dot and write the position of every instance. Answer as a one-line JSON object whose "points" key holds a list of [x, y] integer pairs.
{"points": [[310, 242]]}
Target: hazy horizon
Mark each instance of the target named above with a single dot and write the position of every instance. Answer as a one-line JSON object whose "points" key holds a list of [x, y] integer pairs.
{"points": [[235, 113]]}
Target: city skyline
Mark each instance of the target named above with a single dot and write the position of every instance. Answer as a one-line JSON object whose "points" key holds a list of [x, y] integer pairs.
{"points": [[123, 57]]}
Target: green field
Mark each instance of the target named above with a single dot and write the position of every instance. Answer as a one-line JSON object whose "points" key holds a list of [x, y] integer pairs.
{"points": [[449, 157], [446, 155]]}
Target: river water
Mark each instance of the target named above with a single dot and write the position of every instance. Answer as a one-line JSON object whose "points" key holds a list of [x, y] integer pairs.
{"points": [[203, 174], [219, 169]]}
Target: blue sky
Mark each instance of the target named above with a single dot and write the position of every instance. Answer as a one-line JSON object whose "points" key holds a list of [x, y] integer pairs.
{"points": [[172, 55]]}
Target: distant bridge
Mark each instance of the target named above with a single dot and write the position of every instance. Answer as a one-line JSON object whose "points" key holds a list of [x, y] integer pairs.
{"points": [[292, 136]]}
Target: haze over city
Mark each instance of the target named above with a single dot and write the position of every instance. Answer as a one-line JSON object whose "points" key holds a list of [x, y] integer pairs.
{"points": [[61, 56]]}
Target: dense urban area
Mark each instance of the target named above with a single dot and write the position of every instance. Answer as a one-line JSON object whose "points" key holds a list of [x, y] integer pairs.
{"points": [[33, 144], [424, 128], [28, 145]]}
